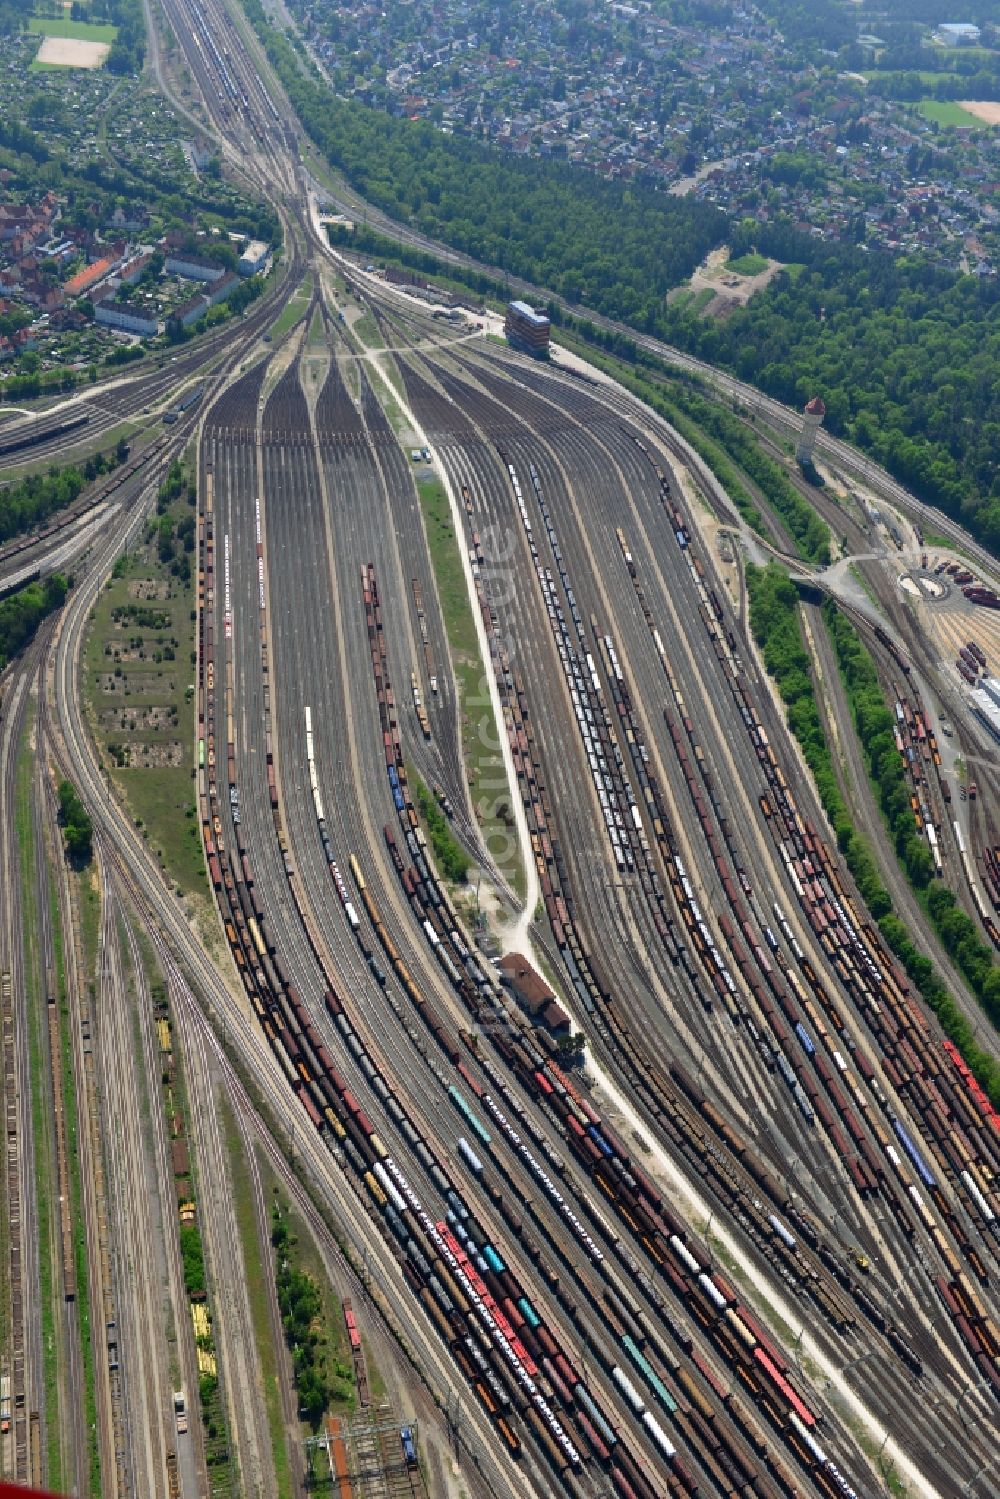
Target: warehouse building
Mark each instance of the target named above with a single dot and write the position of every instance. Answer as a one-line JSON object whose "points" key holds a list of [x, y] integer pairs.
{"points": [[957, 34], [532, 992], [254, 258], [985, 703]]}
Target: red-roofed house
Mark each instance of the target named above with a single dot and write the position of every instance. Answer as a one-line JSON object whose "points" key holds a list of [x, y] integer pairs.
{"points": [[84, 280]]}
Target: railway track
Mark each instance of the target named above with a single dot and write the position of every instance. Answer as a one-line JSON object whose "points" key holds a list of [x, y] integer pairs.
{"points": [[664, 844]]}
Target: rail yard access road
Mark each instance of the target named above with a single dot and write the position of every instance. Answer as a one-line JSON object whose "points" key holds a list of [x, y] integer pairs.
{"points": [[744, 1238]]}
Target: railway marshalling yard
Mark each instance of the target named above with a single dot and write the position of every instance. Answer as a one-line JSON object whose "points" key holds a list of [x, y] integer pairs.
{"points": [[742, 1239]]}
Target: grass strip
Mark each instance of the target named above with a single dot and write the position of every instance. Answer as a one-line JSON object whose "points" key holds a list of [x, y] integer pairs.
{"points": [[84, 31], [254, 1259], [749, 264], [366, 329], [138, 660], [294, 308], [313, 1319], [450, 856], [480, 742]]}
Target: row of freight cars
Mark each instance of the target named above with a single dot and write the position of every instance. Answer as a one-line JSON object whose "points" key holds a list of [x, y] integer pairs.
{"points": [[972, 1178], [971, 660], [820, 918], [953, 1127], [541, 1077], [14, 1414], [335, 1111], [286, 1032], [978, 899], [579, 671], [548, 858], [976, 593], [991, 874], [831, 921], [40, 429], [916, 742]]}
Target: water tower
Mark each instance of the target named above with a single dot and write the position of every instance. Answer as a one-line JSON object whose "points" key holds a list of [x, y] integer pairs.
{"points": [[812, 420]]}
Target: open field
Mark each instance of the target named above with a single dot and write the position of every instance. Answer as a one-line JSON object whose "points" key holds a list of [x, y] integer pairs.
{"points": [[947, 112], [728, 283], [750, 264], [83, 31], [294, 308], [137, 673], [71, 52]]}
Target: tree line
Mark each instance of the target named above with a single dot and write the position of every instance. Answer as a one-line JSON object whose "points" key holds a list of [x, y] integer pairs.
{"points": [[449, 854], [28, 503], [810, 534], [23, 611], [320, 1377], [958, 932], [774, 620]]}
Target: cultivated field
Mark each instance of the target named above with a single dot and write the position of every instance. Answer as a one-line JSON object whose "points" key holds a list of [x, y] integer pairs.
{"points": [[987, 110]]}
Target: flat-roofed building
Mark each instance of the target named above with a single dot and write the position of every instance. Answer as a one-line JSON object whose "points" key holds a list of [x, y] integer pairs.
{"points": [[125, 316], [254, 258], [192, 268], [527, 329], [957, 34]]}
